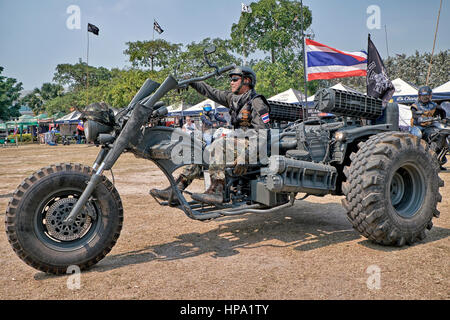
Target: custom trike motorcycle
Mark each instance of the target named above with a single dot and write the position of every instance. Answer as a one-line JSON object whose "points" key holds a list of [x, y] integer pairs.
{"points": [[71, 214]]}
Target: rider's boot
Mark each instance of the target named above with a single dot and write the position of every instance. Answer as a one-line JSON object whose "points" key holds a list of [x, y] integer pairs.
{"points": [[164, 194], [214, 194]]}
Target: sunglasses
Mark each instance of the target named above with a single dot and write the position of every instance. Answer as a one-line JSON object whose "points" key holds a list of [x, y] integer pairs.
{"points": [[235, 79]]}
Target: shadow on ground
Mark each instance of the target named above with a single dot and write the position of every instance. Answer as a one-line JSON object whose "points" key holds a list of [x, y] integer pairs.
{"points": [[307, 226]]}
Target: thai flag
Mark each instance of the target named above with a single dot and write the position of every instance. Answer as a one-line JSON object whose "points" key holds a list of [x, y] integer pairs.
{"points": [[324, 62]]}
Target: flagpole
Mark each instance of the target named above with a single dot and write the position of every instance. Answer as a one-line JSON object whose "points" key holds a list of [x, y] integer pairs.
{"points": [[387, 47], [244, 51], [367, 70], [304, 59], [434, 43], [87, 69]]}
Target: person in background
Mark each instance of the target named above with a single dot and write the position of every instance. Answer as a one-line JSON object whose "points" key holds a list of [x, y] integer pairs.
{"points": [[80, 131], [189, 126], [210, 120]]}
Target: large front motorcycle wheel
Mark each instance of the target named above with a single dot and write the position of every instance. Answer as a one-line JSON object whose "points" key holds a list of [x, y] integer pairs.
{"points": [[35, 215]]}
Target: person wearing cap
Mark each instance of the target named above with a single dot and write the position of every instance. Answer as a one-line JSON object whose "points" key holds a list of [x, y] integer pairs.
{"points": [[248, 110], [209, 121], [423, 110]]}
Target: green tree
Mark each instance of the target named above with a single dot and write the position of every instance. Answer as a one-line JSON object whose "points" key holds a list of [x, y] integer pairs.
{"points": [[273, 78], [272, 27], [75, 75], [65, 103], [9, 96], [120, 90], [414, 68], [151, 54], [38, 97], [191, 63]]}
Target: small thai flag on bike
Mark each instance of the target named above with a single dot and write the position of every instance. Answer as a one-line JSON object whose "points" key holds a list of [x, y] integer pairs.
{"points": [[265, 118], [324, 62]]}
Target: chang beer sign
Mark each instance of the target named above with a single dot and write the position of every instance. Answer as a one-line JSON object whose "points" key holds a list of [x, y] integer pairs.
{"points": [[404, 99]]}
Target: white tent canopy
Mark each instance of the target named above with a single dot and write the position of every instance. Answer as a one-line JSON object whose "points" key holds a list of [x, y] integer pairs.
{"points": [[442, 88], [178, 107], [72, 117], [404, 91], [403, 88], [338, 86], [442, 92], [199, 107], [288, 96]]}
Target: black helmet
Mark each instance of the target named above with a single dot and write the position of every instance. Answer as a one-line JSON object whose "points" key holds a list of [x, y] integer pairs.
{"points": [[245, 72], [425, 91]]}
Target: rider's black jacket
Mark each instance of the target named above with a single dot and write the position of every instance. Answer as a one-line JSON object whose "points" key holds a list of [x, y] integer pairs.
{"points": [[246, 110]]}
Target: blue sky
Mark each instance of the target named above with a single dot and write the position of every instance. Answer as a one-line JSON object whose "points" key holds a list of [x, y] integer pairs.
{"points": [[34, 37]]}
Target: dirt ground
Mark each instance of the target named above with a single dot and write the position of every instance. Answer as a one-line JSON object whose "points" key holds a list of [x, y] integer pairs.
{"points": [[309, 251]]}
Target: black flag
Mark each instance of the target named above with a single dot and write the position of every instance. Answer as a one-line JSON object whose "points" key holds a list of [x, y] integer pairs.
{"points": [[378, 83], [93, 29], [157, 27]]}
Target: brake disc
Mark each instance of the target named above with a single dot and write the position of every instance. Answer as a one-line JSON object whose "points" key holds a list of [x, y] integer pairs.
{"points": [[57, 228]]}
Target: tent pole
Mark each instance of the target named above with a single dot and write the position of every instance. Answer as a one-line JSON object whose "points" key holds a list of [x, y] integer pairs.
{"points": [[434, 43], [304, 61]]}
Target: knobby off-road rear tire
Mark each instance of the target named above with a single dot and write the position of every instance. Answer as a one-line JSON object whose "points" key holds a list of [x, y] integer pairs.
{"points": [[392, 188], [35, 212]]}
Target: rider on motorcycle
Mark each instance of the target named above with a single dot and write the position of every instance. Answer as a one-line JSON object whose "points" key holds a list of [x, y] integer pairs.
{"points": [[247, 110], [423, 111]]}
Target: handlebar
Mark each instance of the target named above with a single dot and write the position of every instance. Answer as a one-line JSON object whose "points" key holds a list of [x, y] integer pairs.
{"points": [[431, 119], [181, 85], [184, 83]]}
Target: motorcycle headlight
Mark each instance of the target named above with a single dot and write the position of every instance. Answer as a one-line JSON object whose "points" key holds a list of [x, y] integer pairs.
{"points": [[93, 128], [340, 136]]}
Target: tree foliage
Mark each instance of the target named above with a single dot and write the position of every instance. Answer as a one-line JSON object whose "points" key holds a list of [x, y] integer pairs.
{"points": [[9, 96], [38, 97], [75, 76], [273, 27], [412, 69], [191, 63], [152, 54], [277, 77]]}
